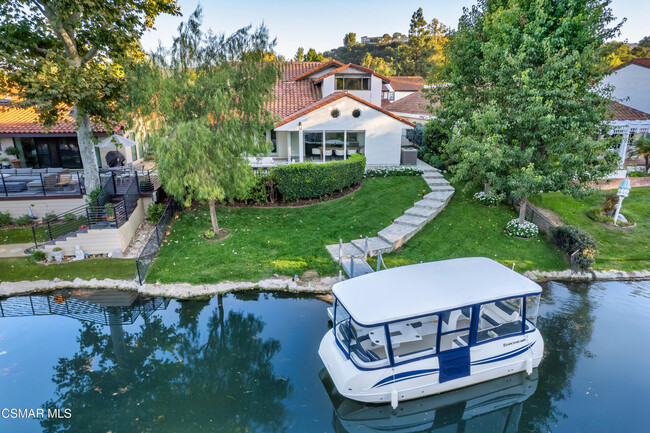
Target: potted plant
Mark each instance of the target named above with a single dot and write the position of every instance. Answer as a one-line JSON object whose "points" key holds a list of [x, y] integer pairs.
{"points": [[13, 151], [109, 210], [5, 162], [57, 253]]}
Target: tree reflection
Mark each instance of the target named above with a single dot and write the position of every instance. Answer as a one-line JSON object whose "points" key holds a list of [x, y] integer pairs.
{"points": [[191, 376], [566, 331]]}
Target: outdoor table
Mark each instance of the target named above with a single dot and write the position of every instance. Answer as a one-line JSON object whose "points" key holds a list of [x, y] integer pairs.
{"points": [[402, 335]]}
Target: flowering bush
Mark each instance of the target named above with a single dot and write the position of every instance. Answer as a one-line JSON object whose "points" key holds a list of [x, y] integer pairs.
{"points": [[489, 199], [523, 230], [393, 171]]}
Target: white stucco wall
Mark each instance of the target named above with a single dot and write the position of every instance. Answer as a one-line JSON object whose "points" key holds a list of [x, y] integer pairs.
{"points": [[382, 132], [400, 95], [373, 95], [633, 82]]}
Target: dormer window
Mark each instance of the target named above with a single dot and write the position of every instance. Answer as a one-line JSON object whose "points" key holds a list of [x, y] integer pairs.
{"points": [[352, 83]]}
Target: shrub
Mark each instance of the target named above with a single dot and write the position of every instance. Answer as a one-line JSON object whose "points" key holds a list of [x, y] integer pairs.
{"points": [[69, 217], [523, 230], [489, 199], [5, 219], [13, 151], [209, 234], [51, 217], [38, 255], [571, 239], [154, 212], [611, 201], [92, 197], [56, 249], [24, 220], [393, 171], [416, 135], [262, 191], [637, 174], [310, 180]]}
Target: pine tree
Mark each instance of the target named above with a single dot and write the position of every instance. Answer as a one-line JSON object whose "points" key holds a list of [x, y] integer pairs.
{"points": [[300, 55]]}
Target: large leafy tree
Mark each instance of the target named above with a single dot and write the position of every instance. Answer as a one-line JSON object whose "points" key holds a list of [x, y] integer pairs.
{"points": [[68, 53], [522, 98], [208, 109]]}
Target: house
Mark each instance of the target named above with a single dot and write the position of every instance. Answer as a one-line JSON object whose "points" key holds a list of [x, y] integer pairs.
{"points": [[631, 83], [629, 124], [329, 111]]}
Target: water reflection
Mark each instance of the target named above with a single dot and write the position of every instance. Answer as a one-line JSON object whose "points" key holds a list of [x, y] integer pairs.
{"points": [[493, 406], [161, 376]]}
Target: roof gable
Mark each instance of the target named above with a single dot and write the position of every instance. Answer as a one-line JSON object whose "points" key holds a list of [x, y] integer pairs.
{"points": [[351, 66], [334, 97], [320, 67]]}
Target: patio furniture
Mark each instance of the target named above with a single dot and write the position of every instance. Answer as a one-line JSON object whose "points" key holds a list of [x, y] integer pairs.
{"points": [[352, 151], [339, 152], [315, 151], [328, 152], [15, 186]]}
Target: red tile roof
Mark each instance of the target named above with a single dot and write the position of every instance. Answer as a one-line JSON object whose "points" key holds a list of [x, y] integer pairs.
{"points": [[318, 66], [623, 112], [406, 83], [25, 121], [334, 97], [414, 103], [641, 62]]}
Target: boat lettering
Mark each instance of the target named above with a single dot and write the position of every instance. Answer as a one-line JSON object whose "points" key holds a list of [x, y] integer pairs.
{"points": [[513, 342]]}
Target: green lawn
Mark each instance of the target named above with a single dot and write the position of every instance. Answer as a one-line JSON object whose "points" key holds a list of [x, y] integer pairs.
{"points": [[286, 241], [16, 236], [467, 229], [23, 269], [621, 249]]}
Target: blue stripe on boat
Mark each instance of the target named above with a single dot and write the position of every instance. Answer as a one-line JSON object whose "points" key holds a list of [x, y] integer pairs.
{"points": [[404, 376], [399, 377]]}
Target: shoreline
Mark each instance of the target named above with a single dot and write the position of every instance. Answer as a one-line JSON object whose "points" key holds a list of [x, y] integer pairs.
{"points": [[318, 285]]}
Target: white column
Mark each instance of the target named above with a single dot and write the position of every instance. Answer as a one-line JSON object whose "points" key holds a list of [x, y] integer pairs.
{"points": [[289, 146], [345, 144], [323, 152], [622, 151], [301, 146]]}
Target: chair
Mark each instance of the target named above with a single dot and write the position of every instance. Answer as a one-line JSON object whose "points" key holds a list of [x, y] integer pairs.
{"points": [[315, 151], [328, 152], [352, 152], [339, 152]]}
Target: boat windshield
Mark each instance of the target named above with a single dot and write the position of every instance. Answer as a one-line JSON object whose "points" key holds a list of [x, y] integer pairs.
{"points": [[365, 346]]}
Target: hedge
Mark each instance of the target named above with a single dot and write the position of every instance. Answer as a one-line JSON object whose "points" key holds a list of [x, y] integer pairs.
{"points": [[310, 180], [571, 239]]}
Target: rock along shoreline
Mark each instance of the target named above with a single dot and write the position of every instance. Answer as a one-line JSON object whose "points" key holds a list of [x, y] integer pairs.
{"points": [[285, 284]]}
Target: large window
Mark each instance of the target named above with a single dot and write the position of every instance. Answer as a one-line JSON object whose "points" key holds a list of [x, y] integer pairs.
{"points": [[500, 318], [532, 308], [454, 329], [353, 83], [414, 338]]}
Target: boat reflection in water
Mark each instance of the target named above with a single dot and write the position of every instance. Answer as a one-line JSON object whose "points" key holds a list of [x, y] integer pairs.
{"points": [[493, 406]]}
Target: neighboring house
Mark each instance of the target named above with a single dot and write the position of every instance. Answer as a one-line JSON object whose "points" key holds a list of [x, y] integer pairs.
{"points": [[378, 39], [630, 124], [400, 87], [329, 111], [631, 83], [414, 107], [42, 147]]}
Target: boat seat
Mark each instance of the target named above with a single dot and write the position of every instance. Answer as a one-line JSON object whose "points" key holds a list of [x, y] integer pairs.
{"points": [[363, 354], [459, 342], [505, 307], [490, 320]]}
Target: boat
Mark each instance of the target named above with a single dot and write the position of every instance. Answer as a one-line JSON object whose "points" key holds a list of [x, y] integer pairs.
{"points": [[419, 330], [495, 405]]}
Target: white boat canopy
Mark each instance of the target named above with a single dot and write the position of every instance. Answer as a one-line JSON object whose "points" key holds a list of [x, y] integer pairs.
{"points": [[415, 290]]}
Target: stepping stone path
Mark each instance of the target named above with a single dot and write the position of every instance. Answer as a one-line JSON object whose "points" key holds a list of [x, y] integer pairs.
{"points": [[404, 227]]}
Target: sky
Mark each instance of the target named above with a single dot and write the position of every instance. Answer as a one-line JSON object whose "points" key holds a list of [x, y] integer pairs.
{"points": [[323, 24]]}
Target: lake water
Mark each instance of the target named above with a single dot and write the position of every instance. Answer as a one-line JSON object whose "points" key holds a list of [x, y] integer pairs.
{"points": [[249, 362]]}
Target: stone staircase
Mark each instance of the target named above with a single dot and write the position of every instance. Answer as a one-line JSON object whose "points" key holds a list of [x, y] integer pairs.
{"points": [[404, 227]]}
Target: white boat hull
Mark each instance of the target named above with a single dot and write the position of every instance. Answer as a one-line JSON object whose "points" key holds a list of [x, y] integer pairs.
{"points": [[420, 378]]}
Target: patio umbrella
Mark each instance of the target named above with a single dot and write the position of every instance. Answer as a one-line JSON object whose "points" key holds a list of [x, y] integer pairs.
{"points": [[117, 141]]}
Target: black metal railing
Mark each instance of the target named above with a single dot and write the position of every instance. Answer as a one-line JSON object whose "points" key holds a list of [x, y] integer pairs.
{"points": [[82, 309], [63, 183], [152, 246]]}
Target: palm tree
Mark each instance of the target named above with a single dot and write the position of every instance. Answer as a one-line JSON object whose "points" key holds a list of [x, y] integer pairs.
{"points": [[642, 150]]}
